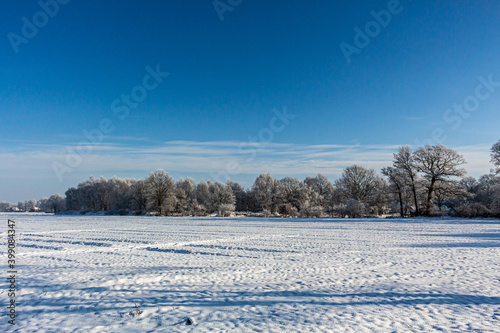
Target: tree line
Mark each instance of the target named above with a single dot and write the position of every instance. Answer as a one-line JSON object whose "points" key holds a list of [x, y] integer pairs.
{"points": [[427, 181]]}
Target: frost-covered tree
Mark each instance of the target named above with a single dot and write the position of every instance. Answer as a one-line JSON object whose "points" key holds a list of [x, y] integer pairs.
{"points": [[30, 205], [357, 183], [222, 198], [55, 204], [495, 156], [449, 195], [210, 197], [438, 164], [240, 196], [354, 208], [470, 184], [293, 192], [138, 194], [483, 198], [488, 192], [6, 207], [267, 192], [86, 195], [72, 202], [397, 186], [321, 191], [202, 195], [185, 194], [160, 186], [405, 163], [378, 200], [118, 194]]}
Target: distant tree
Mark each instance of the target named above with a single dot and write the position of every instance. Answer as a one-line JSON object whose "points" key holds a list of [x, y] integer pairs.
{"points": [[185, 194], [357, 183], [72, 202], [160, 186], [495, 156], [397, 185], [182, 201], [101, 194], [293, 192], [118, 193], [438, 164], [139, 195], [226, 209], [55, 204], [30, 205], [6, 206], [87, 196], [354, 208], [250, 201], [239, 195], [450, 194], [405, 163], [267, 192], [481, 199], [470, 184], [378, 200], [488, 192], [222, 198], [202, 195], [321, 191]]}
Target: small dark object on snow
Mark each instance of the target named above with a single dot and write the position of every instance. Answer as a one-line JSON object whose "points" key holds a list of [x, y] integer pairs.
{"points": [[137, 312], [189, 321]]}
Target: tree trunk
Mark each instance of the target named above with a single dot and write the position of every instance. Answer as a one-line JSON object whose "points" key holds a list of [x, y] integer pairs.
{"points": [[401, 204], [430, 193], [414, 190]]}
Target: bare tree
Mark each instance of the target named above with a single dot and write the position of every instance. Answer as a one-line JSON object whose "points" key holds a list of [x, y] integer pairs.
{"points": [[160, 188], [438, 164]]}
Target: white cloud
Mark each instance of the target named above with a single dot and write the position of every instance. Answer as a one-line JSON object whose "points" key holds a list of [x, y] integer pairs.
{"points": [[214, 156]]}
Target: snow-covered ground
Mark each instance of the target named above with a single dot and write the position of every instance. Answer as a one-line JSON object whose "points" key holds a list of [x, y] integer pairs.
{"points": [[83, 274]]}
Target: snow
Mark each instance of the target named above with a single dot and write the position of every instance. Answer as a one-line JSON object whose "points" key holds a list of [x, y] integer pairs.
{"points": [[83, 274]]}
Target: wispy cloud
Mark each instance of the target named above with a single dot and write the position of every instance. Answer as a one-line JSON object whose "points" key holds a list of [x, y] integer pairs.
{"points": [[211, 157]]}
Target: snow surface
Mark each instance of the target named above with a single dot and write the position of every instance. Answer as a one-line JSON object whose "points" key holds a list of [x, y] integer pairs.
{"points": [[83, 274]]}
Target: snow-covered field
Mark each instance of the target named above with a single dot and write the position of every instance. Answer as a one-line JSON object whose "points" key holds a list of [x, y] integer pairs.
{"points": [[83, 274]]}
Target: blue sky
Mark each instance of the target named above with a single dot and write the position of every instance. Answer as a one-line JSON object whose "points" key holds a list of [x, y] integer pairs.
{"points": [[226, 81]]}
